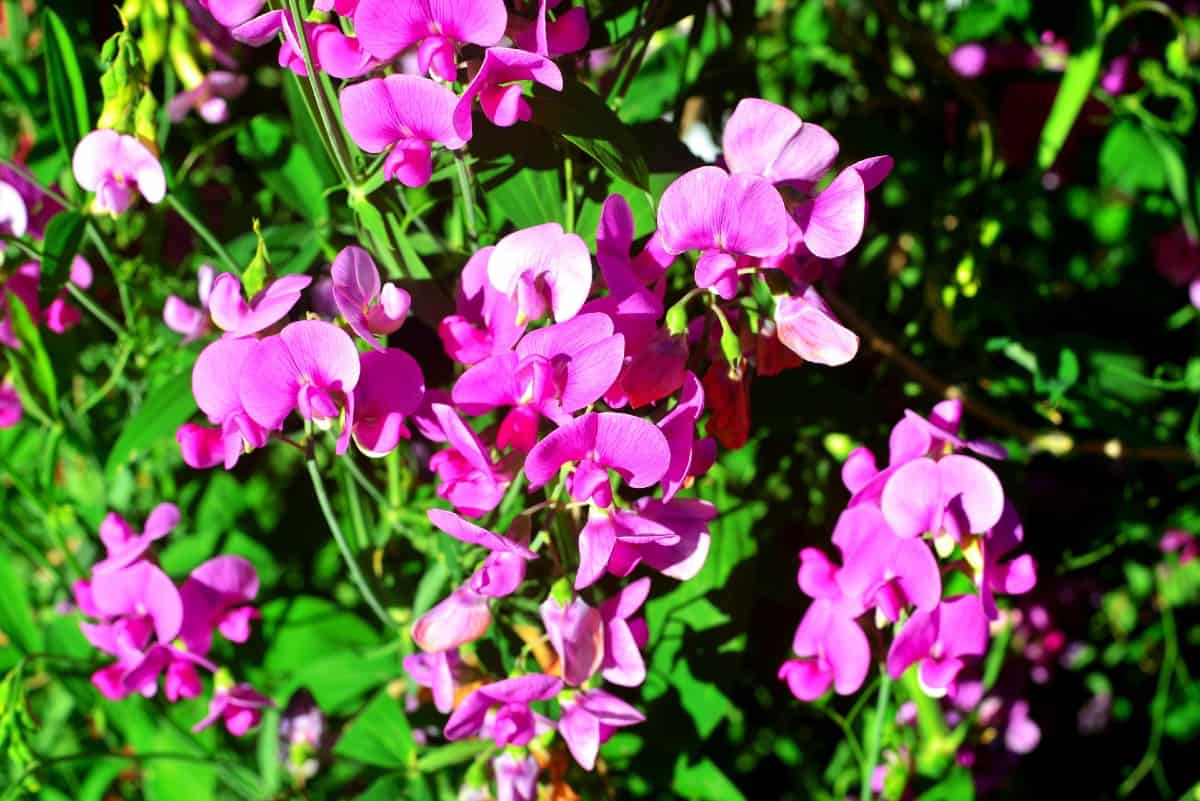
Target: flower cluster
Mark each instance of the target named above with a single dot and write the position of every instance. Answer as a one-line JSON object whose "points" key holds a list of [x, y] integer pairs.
{"points": [[154, 627], [933, 500]]}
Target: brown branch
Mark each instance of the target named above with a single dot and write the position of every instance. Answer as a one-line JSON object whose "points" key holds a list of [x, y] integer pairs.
{"points": [[1053, 441]]}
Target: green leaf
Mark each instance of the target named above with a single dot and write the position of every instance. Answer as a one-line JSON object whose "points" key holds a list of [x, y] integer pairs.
{"points": [[166, 408], [386, 788], [1129, 159], [16, 613], [301, 628], [290, 171], [1083, 67], [703, 781], [380, 735], [527, 198], [956, 786], [435, 759], [64, 82], [33, 353], [583, 119], [64, 234]]}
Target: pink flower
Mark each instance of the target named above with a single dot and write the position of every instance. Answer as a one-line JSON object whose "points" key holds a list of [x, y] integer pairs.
{"points": [[567, 33], [390, 388], [25, 208], [680, 557], [10, 405], [485, 319], [233, 315], [183, 318], [504, 569], [887, 571], [387, 28], [834, 652], [113, 165], [605, 529], [589, 719], [806, 325], [460, 618], [596, 442], [470, 480], [209, 99], [405, 113], [311, 367], [940, 640], [124, 547], [514, 722], [542, 268], [331, 50], [231, 13], [1015, 576], [577, 633], [239, 706], [625, 637], [369, 308], [724, 216], [516, 779], [217, 595], [957, 495], [679, 427], [440, 671], [14, 216], [497, 84], [215, 379]]}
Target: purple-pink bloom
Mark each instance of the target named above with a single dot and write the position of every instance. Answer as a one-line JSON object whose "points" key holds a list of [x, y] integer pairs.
{"points": [[436, 26], [123, 546], [239, 706], [577, 633], [369, 307], [596, 442], [215, 379], [141, 590], [470, 480], [589, 720], [440, 671], [679, 427], [331, 50], [724, 216], [993, 573], [113, 165], [941, 641], [681, 559], [807, 326], [233, 315], [514, 722], [14, 215], [405, 113], [485, 319], [231, 13], [184, 318], [498, 85], [567, 33], [542, 268], [504, 569], [834, 652], [390, 388], [11, 410], [459, 618], [311, 367], [956, 495], [624, 635], [218, 594], [889, 572], [210, 98], [516, 779], [606, 528]]}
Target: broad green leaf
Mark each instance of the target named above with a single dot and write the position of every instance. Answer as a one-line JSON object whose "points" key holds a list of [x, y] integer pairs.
{"points": [[289, 170], [528, 197], [386, 788], [1129, 159], [16, 613], [64, 83], [167, 407], [435, 759], [64, 233], [957, 785], [1083, 68], [299, 629], [703, 781], [582, 118], [33, 353], [380, 735]]}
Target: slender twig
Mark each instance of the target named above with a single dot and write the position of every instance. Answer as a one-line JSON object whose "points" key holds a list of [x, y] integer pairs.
{"points": [[202, 231], [1158, 708], [569, 189], [100, 314], [329, 120], [117, 371], [356, 574], [875, 734], [110, 261], [365, 482]]}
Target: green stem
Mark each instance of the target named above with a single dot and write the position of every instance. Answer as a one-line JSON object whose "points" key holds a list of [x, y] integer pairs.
{"points": [[875, 734], [356, 574], [202, 231], [107, 256], [1158, 709], [117, 371], [100, 314], [356, 512], [357, 473], [467, 188], [569, 188]]}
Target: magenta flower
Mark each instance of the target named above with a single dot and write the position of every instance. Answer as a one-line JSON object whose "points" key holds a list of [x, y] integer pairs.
{"points": [[113, 165], [470, 480], [589, 719], [595, 443], [504, 569], [724, 216], [806, 325], [679, 427], [311, 367], [232, 13], [183, 318], [614, 242], [681, 559], [625, 637], [604, 529], [940, 641], [554, 372], [834, 652], [332, 51], [992, 572], [405, 113], [653, 372], [233, 315], [577, 633], [14, 215], [440, 671], [498, 85], [140, 591], [956, 495], [542, 268], [435, 26], [368, 307], [390, 388], [567, 33], [11, 410], [484, 322], [25, 208], [889, 572], [459, 618], [123, 546], [218, 595], [215, 378], [516, 779], [209, 99], [239, 706], [514, 722]]}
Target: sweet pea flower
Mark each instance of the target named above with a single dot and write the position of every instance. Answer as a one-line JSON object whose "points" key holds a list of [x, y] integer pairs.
{"points": [[576, 631], [807, 326], [596, 442], [542, 268], [233, 315], [679, 427], [554, 372], [461, 617], [514, 723], [141, 591], [992, 573], [724, 216], [956, 495], [567, 33], [14, 216], [940, 640], [435, 26], [183, 318], [331, 50], [681, 558], [485, 319], [498, 85], [218, 594], [232, 13], [113, 165], [124, 639], [390, 388], [470, 480], [889, 572], [516, 779], [368, 307], [311, 367], [11, 410], [124, 547], [440, 671], [625, 637], [209, 99], [405, 113], [239, 706], [215, 379], [25, 208], [834, 652], [504, 569], [589, 720], [604, 529]]}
